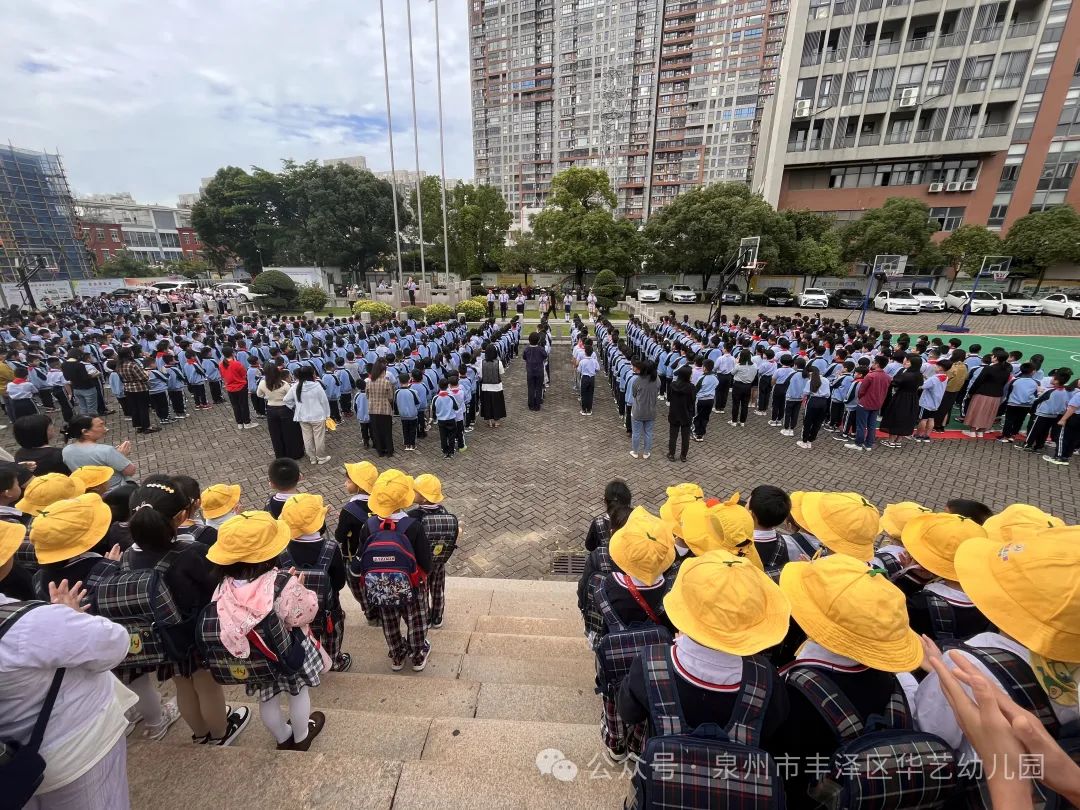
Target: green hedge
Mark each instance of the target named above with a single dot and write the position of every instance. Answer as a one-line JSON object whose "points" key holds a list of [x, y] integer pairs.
{"points": [[312, 297], [416, 313], [379, 311], [474, 309], [438, 312], [278, 290]]}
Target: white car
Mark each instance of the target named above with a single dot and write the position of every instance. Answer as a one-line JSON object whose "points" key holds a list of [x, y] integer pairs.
{"points": [[681, 294], [929, 300], [979, 301], [237, 289], [648, 294], [1017, 303], [896, 301], [1065, 304], [173, 286], [814, 297]]}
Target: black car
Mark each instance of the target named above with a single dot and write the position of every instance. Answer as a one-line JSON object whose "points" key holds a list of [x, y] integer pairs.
{"points": [[777, 297], [846, 298]]}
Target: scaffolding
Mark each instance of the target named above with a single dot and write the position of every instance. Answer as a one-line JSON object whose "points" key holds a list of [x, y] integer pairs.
{"points": [[38, 226]]}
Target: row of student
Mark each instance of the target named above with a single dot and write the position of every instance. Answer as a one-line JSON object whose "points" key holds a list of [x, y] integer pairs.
{"points": [[158, 581], [805, 647]]}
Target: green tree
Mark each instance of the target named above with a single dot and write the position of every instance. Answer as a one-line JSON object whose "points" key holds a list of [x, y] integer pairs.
{"points": [[311, 296], [607, 288], [964, 248], [700, 231], [1038, 241], [578, 231], [279, 290], [523, 256], [125, 265], [238, 213], [188, 268], [478, 222], [817, 244], [901, 226]]}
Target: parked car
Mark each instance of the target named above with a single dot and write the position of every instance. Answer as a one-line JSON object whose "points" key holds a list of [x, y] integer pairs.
{"points": [[814, 297], [239, 289], [847, 298], [171, 286], [777, 297], [1064, 304], [681, 294], [731, 295], [648, 294], [896, 301], [1017, 303], [929, 300], [979, 301]]}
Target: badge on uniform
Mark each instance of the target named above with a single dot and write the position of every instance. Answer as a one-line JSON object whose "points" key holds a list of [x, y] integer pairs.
{"points": [[239, 672], [135, 647]]}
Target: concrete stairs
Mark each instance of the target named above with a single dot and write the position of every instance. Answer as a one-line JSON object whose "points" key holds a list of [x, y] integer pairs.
{"points": [[510, 675]]}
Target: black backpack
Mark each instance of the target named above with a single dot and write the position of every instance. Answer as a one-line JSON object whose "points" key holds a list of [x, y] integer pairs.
{"points": [[711, 766], [316, 579], [594, 620], [882, 761], [620, 646]]}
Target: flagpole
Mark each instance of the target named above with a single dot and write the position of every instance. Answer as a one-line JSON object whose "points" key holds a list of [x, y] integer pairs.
{"points": [[390, 133], [442, 152], [416, 139]]}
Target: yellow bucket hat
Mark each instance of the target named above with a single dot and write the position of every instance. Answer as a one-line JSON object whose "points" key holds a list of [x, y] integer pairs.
{"points": [[1000, 527], [219, 499], [430, 487], [11, 537], [304, 513], [845, 522], [853, 611], [678, 497], [1029, 590], [643, 548], [725, 525], [45, 490], [250, 537], [726, 603], [392, 492], [92, 475], [932, 539], [896, 515], [363, 474], [67, 528]]}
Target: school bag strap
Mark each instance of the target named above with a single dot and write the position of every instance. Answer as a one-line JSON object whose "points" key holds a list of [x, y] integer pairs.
{"points": [[636, 594], [804, 544], [13, 611], [357, 511], [837, 709], [665, 708], [755, 691], [942, 615], [1019, 681], [614, 622]]}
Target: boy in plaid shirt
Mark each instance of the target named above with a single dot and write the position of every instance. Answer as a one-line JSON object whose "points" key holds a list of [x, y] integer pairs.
{"points": [[441, 529]]}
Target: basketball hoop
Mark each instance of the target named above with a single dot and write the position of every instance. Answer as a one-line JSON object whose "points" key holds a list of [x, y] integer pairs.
{"points": [[754, 267], [1000, 275], [893, 272]]}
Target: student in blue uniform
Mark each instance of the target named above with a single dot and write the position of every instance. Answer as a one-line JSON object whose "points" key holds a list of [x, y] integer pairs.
{"points": [[1019, 397], [705, 396], [1049, 407], [212, 374], [175, 386], [408, 408], [797, 386], [588, 368], [817, 395], [333, 394], [1070, 431], [159, 389], [254, 377]]}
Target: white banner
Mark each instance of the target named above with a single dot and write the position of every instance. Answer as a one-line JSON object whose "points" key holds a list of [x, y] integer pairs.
{"points": [[54, 290], [97, 286]]}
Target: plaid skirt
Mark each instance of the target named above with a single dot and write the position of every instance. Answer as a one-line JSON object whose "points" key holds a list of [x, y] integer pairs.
{"points": [[330, 631], [308, 675]]}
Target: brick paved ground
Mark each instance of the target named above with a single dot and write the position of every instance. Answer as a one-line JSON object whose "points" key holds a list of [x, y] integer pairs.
{"points": [[529, 489]]}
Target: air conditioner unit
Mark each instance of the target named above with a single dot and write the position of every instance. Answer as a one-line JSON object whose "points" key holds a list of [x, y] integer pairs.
{"points": [[969, 185], [936, 187], [952, 187], [803, 107], [909, 96]]}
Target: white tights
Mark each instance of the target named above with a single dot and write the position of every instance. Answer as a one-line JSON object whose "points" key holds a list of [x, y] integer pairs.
{"points": [[299, 713], [149, 705]]}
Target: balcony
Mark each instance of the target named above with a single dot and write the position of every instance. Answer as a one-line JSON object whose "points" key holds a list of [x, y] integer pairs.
{"points": [[955, 39], [844, 141], [898, 137], [921, 44], [878, 94], [928, 135], [960, 133], [862, 51], [1007, 82], [1024, 29], [994, 130], [870, 139], [887, 48], [991, 33]]}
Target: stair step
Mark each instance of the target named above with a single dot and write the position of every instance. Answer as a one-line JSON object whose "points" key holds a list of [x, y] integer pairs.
{"points": [[553, 671], [539, 607], [509, 645], [485, 740], [461, 611], [529, 626], [240, 777], [556, 704], [519, 587], [369, 642]]}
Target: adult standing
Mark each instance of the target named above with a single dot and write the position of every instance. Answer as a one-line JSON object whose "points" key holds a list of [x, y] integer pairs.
{"points": [[490, 303], [504, 303], [644, 389], [535, 358], [136, 390], [285, 433], [592, 304], [381, 410], [986, 390], [84, 449], [411, 285], [311, 409], [35, 434], [870, 397], [82, 377], [492, 401], [519, 303], [680, 412], [234, 375], [902, 413], [955, 382]]}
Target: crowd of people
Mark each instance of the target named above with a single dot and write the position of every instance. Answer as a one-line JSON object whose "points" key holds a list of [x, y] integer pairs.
{"points": [[790, 645], [109, 590], [836, 378]]}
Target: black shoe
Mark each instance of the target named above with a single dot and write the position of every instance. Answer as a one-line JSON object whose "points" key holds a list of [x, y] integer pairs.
{"points": [[237, 722], [671, 457], [343, 663], [315, 726]]}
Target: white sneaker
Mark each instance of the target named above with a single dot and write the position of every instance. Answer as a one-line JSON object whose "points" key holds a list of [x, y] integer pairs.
{"points": [[251, 425], [969, 433], [803, 445], [239, 427], [646, 455], [633, 454], [169, 715], [322, 459], [853, 446], [733, 423]]}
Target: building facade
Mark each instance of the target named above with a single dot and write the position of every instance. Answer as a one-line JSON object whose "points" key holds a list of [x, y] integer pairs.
{"points": [[38, 228], [971, 107], [111, 223], [356, 161]]}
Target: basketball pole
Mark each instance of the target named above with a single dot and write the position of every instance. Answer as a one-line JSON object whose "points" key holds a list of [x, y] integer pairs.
{"points": [[866, 294]]}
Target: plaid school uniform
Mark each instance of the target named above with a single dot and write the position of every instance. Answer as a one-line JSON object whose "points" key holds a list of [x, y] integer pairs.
{"points": [[328, 626], [594, 619], [414, 612], [441, 530]]}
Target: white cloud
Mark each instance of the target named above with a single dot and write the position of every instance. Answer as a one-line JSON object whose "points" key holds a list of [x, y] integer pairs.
{"points": [[151, 97]]}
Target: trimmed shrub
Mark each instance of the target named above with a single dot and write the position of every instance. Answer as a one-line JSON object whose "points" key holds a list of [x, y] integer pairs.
{"points": [[279, 290], [311, 297], [379, 311], [416, 313], [438, 312], [473, 310], [607, 288]]}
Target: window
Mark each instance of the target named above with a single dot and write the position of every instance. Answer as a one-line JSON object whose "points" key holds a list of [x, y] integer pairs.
{"points": [[947, 219], [909, 75], [100, 234], [115, 234], [997, 216]]}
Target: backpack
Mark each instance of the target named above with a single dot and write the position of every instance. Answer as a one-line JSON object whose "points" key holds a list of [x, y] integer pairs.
{"points": [[26, 557], [711, 766], [594, 619], [617, 649], [942, 617], [882, 761], [441, 531], [316, 579], [275, 651], [387, 563], [140, 602]]}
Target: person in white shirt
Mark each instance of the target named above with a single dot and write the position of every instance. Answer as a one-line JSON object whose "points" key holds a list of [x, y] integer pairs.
{"points": [[311, 409]]}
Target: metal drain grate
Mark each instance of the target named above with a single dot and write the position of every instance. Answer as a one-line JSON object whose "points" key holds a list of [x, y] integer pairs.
{"points": [[568, 563]]}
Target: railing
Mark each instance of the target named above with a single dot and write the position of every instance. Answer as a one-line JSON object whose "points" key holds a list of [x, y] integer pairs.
{"points": [[817, 143], [878, 94], [952, 40], [921, 44], [844, 141], [994, 130], [835, 55], [960, 133], [797, 146], [862, 51], [810, 59], [898, 137], [973, 85], [1007, 82], [1024, 29], [926, 135], [854, 96], [988, 34], [886, 48], [870, 139]]}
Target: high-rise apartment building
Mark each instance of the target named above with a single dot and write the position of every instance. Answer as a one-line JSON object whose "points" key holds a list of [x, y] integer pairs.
{"points": [[666, 95], [970, 106]]}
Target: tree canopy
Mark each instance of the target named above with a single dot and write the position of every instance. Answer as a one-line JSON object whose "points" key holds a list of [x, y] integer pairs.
{"points": [[125, 265], [965, 248], [901, 226], [1044, 238]]}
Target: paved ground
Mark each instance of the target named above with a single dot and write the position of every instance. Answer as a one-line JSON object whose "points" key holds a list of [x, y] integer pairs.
{"points": [[530, 488]]}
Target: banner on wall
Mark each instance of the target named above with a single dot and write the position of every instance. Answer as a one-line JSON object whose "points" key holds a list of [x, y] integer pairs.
{"points": [[97, 286], [53, 290]]}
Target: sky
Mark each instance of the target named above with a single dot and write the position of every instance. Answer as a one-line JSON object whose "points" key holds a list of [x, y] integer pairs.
{"points": [[151, 97]]}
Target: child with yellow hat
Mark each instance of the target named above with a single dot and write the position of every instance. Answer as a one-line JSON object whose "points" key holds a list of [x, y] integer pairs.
{"points": [[16, 582], [390, 576], [219, 503], [727, 611], [359, 479], [45, 490], [843, 522], [941, 609], [1029, 589], [597, 566], [859, 651], [254, 593], [892, 555], [94, 478], [64, 534], [441, 530], [631, 601], [678, 498], [318, 557]]}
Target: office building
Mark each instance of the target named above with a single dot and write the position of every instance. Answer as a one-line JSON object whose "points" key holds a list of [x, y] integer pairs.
{"points": [[37, 218], [155, 234], [356, 161]]}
